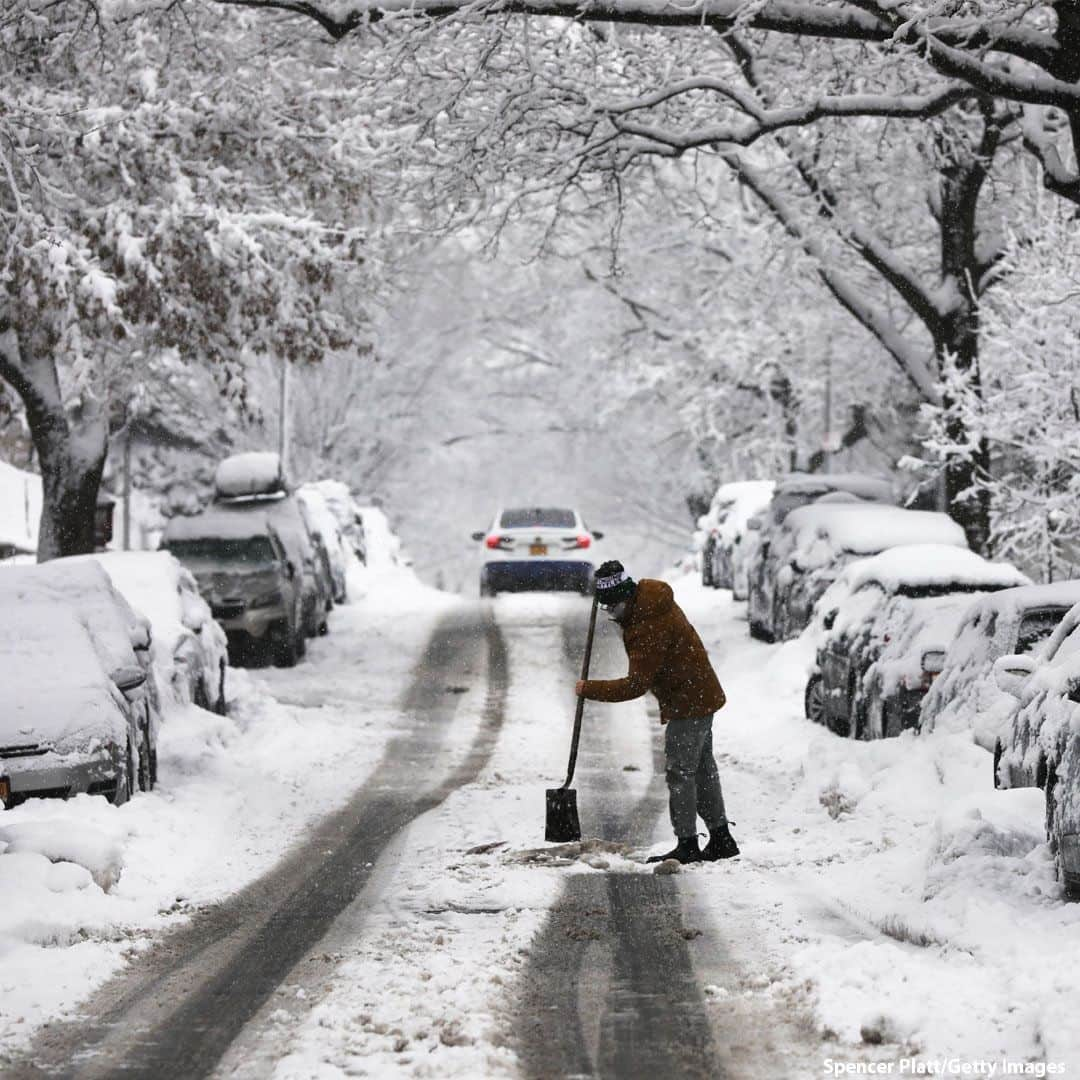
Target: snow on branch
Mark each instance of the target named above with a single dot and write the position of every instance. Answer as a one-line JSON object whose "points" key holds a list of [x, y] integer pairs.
{"points": [[767, 121]]}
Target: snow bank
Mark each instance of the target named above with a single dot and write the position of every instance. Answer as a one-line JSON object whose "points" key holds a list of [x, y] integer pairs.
{"points": [[20, 510], [915, 904], [60, 839]]}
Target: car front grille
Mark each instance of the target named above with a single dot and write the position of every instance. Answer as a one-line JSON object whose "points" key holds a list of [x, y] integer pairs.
{"points": [[228, 609], [23, 750]]}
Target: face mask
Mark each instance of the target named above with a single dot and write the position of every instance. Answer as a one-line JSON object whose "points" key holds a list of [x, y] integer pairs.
{"points": [[616, 612]]}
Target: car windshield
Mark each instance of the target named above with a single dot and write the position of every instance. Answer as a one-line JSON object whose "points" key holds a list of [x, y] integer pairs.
{"points": [[250, 550], [537, 517], [1036, 627], [918, 592]]}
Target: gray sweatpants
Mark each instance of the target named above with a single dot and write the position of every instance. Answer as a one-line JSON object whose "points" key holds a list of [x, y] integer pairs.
{"points": [[692, 777]]}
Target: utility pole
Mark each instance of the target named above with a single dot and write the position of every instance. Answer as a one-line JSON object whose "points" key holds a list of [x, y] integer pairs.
{"points": [[127, 486], [283, 425], [827, 441]]}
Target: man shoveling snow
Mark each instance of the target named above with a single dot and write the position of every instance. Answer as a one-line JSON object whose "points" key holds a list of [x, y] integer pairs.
{"points": [[668, 658]]}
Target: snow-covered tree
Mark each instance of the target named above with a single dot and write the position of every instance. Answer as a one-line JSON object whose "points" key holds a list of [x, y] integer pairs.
{"points": [[186, 184]]}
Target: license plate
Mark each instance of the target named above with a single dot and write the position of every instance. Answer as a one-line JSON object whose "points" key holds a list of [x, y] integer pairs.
{"points": [[5, 789], [538, 549]]}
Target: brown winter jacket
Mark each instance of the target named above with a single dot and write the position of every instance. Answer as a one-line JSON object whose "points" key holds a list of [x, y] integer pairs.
{"points": [[666, 656]]}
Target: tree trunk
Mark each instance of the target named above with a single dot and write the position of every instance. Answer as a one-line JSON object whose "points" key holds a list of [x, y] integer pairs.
{"points": [[71, 451], [957, 337]]}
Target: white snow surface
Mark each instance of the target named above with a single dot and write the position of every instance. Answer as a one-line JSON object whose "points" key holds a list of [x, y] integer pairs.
{"points": [[87, 884], [157, 585], [254, 473], [821, 531], [893, 895], [20, 508], [965, 696], [929, 565]]}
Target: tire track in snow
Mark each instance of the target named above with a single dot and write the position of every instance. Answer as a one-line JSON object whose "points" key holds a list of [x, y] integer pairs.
{"points": [[177, 1012], [611, 989]]}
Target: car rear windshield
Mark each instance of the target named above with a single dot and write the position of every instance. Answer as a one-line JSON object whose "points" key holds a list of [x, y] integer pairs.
{"points": [[1036, 627], [253, 549], [537, 517]]}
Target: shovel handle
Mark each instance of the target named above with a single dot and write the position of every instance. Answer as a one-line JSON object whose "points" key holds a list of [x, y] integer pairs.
{"points": [[581, 701]]}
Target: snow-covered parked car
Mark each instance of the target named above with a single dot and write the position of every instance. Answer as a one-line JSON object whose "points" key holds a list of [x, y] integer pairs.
{"points": [[733, 503], [189, 649], [119, 637], [1042, 737], [791, 492], [326, 533], [347, 512], [887, 623], [253, 485], [744, 499], [816, 542], [248, 578], [966, 696], [66, 725]]}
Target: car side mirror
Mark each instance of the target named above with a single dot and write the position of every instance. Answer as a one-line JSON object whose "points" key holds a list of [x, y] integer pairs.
{"points": [[478, 535], [597, 534], [1011, 672], [128, 679], [830, 619]]}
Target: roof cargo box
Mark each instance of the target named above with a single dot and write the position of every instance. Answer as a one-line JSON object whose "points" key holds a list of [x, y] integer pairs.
{"points": [[248, 475]]}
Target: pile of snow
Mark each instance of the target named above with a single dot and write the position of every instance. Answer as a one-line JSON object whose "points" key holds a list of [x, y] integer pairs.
{"points": [[216, 523], [54, 688], [822, 530], [245, 475], [81, 587], [20, 510], [928, 566]]}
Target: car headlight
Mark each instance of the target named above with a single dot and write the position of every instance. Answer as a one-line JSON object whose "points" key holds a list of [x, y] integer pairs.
{"points": [[267, 599]]}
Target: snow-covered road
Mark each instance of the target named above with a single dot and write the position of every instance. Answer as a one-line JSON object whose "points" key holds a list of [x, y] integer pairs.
{"points": [[889, 905]]}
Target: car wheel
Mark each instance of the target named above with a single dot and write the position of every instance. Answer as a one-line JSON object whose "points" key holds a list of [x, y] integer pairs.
{"points": [[125, 782], [324, 628], [287, 647], [779, 624], [758, 631], [814, 700], [999, 752]]}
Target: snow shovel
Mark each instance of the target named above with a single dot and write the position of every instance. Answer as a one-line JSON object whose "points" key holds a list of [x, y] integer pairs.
{"points": [[562, 824]]}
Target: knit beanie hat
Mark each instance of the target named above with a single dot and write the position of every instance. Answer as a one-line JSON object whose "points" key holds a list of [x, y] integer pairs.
{"points": [[612, 583]]}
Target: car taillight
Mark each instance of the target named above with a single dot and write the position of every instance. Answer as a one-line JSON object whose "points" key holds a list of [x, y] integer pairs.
{"points": [[584, 541], [494, 541]]}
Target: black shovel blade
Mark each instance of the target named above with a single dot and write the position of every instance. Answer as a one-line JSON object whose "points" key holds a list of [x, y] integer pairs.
{"points": [[562, 817]]}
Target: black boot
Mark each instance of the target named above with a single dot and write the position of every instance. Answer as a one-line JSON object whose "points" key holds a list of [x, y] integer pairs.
{"points": [[721, 845], [685, 851]]}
